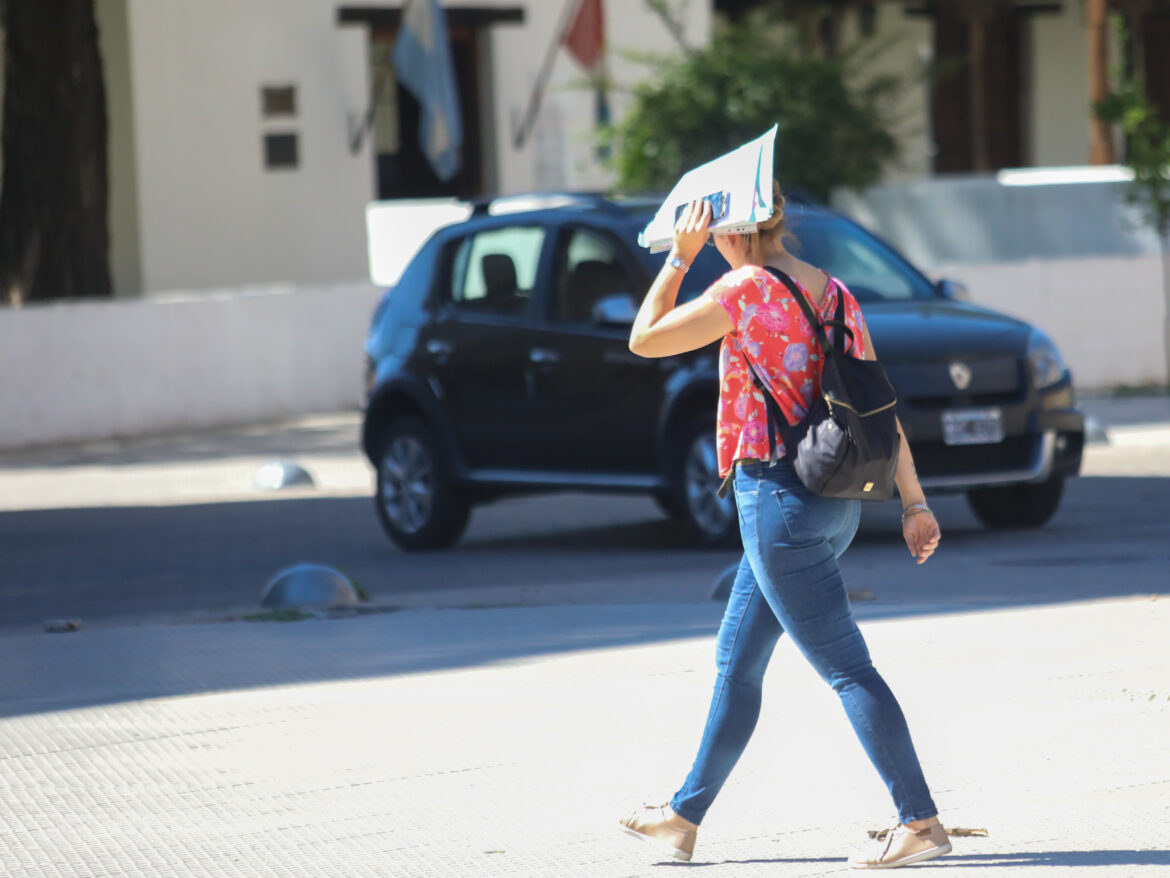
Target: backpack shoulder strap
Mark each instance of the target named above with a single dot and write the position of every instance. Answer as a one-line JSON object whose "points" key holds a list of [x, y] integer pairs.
{"points": [[797, 294]]}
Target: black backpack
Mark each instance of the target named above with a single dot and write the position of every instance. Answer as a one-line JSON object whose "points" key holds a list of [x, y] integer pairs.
{"points": [[847, 445]]}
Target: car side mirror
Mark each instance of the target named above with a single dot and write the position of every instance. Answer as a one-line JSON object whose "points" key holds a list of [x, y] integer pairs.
{"points": [[616, 309], [954, 290]]}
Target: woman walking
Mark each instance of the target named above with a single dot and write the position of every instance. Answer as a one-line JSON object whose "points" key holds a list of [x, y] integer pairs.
{"points": [[789, 580]]}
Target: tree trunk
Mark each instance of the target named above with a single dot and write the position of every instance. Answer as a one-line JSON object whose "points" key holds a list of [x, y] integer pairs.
{"points": [[54, 235], [1165, 236], [1097, 46]]}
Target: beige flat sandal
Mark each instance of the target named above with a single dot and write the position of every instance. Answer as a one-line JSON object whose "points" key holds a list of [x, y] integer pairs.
{"points": [[662, 828], [902, 846]]}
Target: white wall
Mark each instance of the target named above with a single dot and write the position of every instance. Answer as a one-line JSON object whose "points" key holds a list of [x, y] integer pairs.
{"points": [[81, 371], [1106, 314], [1006, 217], [1064, 256], [1060, 88], [209, 212]]}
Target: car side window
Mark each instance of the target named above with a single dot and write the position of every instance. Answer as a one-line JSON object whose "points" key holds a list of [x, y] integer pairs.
{"points": [[494, 270], [589, 270]]}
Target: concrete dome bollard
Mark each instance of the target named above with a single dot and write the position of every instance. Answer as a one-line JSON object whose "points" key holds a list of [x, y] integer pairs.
{"points": [[309, 585], [278, 474]]}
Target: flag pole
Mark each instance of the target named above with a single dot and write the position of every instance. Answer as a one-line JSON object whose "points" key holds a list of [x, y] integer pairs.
{"points": [[550, 57]]}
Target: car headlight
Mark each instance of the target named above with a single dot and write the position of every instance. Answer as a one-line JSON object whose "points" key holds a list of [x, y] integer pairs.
{"points": [[1047, 365]]}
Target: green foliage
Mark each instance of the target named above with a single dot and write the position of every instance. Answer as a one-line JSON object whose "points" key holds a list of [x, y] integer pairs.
{"points": [[1147, 138], [1147, 142], [833, 126]]}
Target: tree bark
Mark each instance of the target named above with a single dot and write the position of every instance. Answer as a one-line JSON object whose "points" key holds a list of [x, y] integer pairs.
{"points": [[1165, 238], [1097, 47], [54, 233]]}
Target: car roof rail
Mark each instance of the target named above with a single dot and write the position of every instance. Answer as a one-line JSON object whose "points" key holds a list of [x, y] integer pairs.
{"points": [[525, 201]]}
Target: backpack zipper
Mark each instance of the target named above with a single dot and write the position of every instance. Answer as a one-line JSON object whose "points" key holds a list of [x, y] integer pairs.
{"points": [[830, 402]]}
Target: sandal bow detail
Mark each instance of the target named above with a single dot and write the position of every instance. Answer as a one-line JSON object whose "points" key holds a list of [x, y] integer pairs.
{"points": [[663, 828], [902, 846]]}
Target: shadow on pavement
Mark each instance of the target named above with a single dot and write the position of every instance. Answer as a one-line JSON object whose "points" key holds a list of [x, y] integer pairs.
{"points": [[1054, 858], [1108, 541], [103, 666], [99, 563], [984, 861]]}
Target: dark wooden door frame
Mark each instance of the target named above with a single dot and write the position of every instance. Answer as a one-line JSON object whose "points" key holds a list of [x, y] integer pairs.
{"points": [[979, 94]]}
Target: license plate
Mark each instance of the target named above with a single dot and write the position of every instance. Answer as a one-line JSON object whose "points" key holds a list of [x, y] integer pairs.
{"points": [[972, 426]]}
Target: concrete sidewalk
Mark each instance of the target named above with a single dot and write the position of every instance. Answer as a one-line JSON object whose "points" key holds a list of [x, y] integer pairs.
{"points": [[509, 741], [221, 465]]}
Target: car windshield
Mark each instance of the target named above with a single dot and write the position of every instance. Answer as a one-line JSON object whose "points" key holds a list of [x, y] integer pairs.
{"points": [[871, 270]]}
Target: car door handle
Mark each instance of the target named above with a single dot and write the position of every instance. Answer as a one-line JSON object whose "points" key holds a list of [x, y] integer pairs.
{"points": [[439, 348], [543, 356]]}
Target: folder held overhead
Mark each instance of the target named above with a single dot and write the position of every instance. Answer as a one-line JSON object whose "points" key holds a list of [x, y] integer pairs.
{"points": [[738, 185]]}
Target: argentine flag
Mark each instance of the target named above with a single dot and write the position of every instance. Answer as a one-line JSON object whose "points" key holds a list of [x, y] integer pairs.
{"points": [[422, 63]]}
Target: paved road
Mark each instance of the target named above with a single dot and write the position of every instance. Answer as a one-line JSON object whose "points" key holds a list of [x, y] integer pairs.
{"points": [[175, 525], [506, 741]]}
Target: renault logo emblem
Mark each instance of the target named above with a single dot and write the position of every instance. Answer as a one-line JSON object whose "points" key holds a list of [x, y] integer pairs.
{"points": [[961, 375]]}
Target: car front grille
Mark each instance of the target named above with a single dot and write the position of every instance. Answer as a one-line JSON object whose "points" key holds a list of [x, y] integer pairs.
{"points": [[997, 381]]}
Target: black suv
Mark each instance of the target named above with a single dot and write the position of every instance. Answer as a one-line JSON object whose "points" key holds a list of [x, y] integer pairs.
{"points": [[498, 364]]}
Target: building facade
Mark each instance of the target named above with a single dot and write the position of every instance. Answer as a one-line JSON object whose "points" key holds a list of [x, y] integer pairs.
{"points": [[246, 139]]}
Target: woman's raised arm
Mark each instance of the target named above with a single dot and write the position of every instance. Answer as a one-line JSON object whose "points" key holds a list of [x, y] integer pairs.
{"points": [[662, 330]]}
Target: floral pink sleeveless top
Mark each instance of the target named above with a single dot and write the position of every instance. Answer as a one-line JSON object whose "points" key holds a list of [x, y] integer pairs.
{"points": [[771, 329]]}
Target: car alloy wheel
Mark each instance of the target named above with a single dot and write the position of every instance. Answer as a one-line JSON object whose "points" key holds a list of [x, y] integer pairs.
{"points": [[417, 502], [711, 515], [408, 484]]}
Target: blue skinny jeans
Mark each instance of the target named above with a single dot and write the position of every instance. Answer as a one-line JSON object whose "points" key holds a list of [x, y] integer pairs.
{"points": [[789, 581]]}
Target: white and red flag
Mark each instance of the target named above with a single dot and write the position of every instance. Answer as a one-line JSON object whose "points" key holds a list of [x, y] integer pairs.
{"points": [[585, 35]]}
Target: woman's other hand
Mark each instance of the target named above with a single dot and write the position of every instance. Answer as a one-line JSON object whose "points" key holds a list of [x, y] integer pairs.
{"points": [[922, 534], [690, 231]]}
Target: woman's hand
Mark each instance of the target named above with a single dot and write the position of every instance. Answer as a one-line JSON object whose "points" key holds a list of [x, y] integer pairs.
{"points": [[690, 231], [920, 528]]}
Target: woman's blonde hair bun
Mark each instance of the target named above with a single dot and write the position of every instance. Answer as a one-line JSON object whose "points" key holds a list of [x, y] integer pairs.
{"points": [[777, 217], [769, 234]]}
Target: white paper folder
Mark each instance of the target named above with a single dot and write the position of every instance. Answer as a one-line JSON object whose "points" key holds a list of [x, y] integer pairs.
{"points": [[738, 185]]}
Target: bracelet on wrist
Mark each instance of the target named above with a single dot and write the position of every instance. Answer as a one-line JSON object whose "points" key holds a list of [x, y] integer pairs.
{"points": [[914, 509]]}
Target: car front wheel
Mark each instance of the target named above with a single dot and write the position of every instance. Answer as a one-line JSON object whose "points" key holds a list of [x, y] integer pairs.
{"points": [[1017, 506], [694, 480], [417, 502]]}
